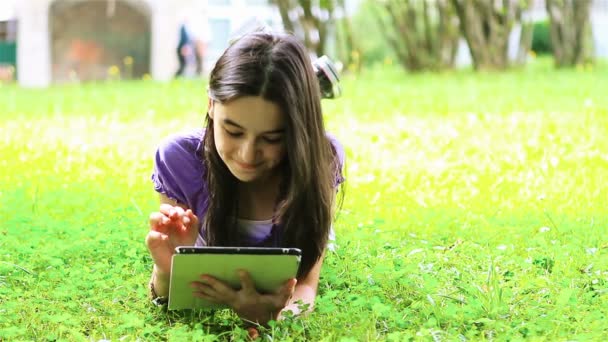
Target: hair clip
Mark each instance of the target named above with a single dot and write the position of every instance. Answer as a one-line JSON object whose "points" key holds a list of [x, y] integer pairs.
{"points": [[327, 75]]}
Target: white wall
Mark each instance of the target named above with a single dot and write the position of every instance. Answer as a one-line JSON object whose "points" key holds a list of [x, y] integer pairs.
{"points": [[599, 26], [226, 16], [33, 50]]}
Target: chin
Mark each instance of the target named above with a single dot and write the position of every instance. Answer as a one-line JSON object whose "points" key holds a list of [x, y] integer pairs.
{"points": [[244, 177]]}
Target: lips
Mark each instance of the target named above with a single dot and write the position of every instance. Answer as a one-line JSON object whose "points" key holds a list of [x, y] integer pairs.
{"points": [[248, 167]]}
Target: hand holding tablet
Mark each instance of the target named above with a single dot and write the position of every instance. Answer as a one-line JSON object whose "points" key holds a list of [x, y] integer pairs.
{"points": [[268, 269]]}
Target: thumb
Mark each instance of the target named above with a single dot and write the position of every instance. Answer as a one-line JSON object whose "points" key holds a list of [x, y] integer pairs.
{"points": [[288, 288], [192, 219], [284, 293], [247, 284], [155, 239], [189, 220]]}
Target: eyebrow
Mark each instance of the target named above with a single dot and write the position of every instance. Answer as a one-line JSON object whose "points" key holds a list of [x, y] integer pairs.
{"points": [[232, 123]]}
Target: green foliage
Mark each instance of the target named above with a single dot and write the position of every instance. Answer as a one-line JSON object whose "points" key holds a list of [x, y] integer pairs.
{"points": [[375, 48], [541, 38], [474, 210]]}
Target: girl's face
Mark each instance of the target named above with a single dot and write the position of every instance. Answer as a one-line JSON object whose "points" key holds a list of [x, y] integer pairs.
{"points": [[249, 136]]}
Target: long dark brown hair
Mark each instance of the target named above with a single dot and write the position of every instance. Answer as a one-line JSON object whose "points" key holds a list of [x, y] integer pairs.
{"points": [[276, 67]]}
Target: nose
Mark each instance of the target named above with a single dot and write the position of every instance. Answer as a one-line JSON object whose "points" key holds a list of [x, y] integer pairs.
{"points": [[248, 152]]}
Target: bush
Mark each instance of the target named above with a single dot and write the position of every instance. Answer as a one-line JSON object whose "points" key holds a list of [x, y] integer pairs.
{"points": [[541, 38], [368, 35]]}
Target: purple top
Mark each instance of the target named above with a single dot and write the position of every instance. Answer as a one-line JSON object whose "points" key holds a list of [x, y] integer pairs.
{"points": [[179, 171]]}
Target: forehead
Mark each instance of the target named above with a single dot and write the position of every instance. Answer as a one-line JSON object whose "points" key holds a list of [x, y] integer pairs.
{"points": [[253, 113]]}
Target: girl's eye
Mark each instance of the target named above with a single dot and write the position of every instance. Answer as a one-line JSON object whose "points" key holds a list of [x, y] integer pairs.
{"points": [[273, 140], [233, 134]]}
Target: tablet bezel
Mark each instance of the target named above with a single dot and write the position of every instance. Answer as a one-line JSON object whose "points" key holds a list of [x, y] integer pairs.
{"points": [[238, 250]]}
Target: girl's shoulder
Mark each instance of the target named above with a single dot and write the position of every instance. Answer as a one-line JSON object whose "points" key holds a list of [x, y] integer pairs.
{"points": [[340, 156], [188, 143], [179, 167], [338, 148], [183, 152]]}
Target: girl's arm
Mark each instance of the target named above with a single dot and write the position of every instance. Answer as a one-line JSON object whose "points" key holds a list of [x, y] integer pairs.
{"points": [[305, 291], [170, 227]]}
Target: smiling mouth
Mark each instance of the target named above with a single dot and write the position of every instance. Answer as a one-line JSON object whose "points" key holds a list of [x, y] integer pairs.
{"points": [[247, 166]]}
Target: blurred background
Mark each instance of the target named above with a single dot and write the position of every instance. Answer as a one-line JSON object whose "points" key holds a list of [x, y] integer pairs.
{"points": [[476, 138], [54, 41]]}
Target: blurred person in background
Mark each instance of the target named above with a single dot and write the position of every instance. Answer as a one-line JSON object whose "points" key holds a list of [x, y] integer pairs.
{"points": [[192, 47]]}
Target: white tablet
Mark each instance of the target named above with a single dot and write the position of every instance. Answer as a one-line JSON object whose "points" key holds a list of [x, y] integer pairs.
{"points": [[269, 268]]}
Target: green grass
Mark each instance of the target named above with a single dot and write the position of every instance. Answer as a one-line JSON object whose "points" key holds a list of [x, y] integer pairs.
{"points": [[475, 210]]}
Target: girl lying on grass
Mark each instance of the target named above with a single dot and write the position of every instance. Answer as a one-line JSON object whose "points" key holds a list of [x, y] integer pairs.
{"points": [[263, 172]]}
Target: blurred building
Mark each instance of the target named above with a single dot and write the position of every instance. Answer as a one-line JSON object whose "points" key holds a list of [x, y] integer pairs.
{"points": [[8, 42], [79, 40]]}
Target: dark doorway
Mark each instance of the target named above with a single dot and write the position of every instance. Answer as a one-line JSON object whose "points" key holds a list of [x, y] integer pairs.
{"points": [[8, 50], [98, 40]]}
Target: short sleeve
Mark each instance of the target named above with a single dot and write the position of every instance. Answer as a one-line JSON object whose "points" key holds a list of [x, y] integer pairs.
{"points": [[179, 170], [341, 156]]}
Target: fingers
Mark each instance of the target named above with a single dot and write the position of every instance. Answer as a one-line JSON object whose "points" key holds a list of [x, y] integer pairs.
{"points": [[203, 289], [288, 287], [160, 250], [285, 292], [247, 284], [173, 217], [172, 212], [213, 290], [177, 213], [193, 220], [159, 222], [208, 298], [155, 238], [207, 293], [188, 218]]}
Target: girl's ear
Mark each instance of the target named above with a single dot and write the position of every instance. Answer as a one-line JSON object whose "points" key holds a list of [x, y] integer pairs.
{"points": [[210, 107]]}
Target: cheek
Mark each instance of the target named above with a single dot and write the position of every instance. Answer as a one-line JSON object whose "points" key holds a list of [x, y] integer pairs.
{"points": [[276, 154], [220, 141]]}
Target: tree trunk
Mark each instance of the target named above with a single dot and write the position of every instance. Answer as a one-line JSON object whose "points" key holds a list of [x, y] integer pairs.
{"points": [[525, 42], [486, 26], [448, 34], [525, 37], [396, 45], [284, 7], [309, 20], [423, 34], [569, 22]]}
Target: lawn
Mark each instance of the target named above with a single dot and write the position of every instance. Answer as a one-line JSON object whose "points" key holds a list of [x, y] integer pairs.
{"points": [[475, 208]]}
